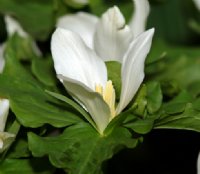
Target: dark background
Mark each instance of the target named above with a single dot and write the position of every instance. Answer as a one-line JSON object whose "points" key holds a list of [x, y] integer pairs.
{"points": [[162, 152]]}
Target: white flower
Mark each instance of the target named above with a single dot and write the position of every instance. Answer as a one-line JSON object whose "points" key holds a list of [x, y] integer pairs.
{"points": [[84, 73], [197, 3], [85, 25]]}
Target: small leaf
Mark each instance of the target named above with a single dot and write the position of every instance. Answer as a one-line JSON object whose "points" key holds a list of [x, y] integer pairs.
{"points": [[178, 104], [188, 120], [141, 126], [154, 97], [140, 102]]}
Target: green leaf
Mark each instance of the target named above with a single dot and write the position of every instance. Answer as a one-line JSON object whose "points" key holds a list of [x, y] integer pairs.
{"points": [[26, 166], [35, 16], [19, 149], [154, 97], [23, 47], [179, 63], [43, 70], [140, 126], [81, 146], [34, 108], [74, 105], [178, 104], [28, 99], [140, 102], [188, 120]]}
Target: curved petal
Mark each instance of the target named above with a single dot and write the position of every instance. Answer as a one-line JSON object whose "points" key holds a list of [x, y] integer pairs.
{"points": [[13, 26], [4, 108], [92, 101], [141, 12], [133, 67], [2, 61], [112, 36], [74, 60], [80, 23], [197, 3]]}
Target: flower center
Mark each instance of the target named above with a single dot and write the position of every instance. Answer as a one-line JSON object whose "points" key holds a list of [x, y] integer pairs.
{"points": [[108, 94]]}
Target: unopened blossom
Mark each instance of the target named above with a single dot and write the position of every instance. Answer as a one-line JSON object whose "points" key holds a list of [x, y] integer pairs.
{"points": [[86, 25], [80, 64]]}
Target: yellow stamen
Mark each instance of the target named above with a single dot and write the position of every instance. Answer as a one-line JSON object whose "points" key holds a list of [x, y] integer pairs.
{"points": [[108, 94]]}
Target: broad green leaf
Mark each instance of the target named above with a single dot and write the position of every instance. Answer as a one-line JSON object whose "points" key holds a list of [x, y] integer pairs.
{"points": [[34, 108], [28, 99], [81, 146], [26, 166], [35, 16]]}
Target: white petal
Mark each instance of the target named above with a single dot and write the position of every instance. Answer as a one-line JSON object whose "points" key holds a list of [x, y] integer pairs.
{"points": [[13, 26], [112, 35], [4, 108], [81, 23], [197, 3], [141, 12], [92, 101], [2, 61], [198, 164], [133, 67], [74, 60]]}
